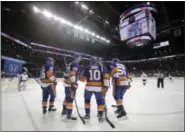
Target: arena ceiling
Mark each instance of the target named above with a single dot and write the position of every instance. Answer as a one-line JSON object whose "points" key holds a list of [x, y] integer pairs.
{"points": [[19, 20]]}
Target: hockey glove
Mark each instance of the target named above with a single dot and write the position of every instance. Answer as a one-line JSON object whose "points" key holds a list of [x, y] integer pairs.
{"points": [[55, 82], [74, 85], [128, 86]]}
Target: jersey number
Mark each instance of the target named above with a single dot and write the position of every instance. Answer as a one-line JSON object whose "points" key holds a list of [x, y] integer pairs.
{"points": [[121, 70], [94, 75]]}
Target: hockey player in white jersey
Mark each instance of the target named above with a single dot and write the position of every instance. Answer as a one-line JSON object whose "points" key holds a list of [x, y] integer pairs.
{"points": [[170, 77], [144, 78], [23, 79]]}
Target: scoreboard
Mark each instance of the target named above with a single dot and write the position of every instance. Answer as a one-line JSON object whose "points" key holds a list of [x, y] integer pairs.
{"points": [[137, 25]]}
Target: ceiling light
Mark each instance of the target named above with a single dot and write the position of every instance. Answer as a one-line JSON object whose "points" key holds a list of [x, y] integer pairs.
{"points": [[93, 34], [56, 18], [97, 36], [102, 38], [76, 2], [47, 13], [107, 22], [91, 12], [81, 28], [84, 7], [75, 26], [35, 9], [62, 20], [69, 23], [148, 3], [108, 41]]}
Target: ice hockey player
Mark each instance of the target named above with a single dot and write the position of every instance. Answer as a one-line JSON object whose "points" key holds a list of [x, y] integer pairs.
{"points": [[23, 79], [48, 85], [71, 85], [170, 77], [96, 78], [121, 83], [144, 78], [160, 79]]}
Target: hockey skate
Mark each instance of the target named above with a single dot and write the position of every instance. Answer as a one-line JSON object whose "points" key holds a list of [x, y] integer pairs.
{"points": [[122, 115], [69, 117], [87, 117], [51, 108], [44, 111], [117, 111], [101, 118]]}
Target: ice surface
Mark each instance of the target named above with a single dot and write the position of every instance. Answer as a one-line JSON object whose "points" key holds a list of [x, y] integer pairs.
{"points": [[148, 108]]}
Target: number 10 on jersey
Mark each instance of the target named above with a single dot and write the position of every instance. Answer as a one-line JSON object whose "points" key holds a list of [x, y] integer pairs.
{"points": [[94, 75]]}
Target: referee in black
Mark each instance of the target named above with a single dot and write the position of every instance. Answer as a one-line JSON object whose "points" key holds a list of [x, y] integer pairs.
{"points": [[160, 80]]}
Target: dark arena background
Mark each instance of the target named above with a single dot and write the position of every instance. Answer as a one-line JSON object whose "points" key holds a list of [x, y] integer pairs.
{"points": [[146, 37]]}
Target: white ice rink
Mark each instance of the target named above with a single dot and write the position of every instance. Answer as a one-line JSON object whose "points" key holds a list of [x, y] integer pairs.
{"points": [[148, 108]]}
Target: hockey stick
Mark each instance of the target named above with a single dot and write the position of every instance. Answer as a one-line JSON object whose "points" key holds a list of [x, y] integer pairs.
{"points": [[81, 118], [106, 117], [79, 112], [32, 76], [105, 110]]}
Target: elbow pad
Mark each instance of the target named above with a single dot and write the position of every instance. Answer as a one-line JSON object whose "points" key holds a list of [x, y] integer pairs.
{"points": [[52, 78], [116, 75], [106, 82], [73, 79]]}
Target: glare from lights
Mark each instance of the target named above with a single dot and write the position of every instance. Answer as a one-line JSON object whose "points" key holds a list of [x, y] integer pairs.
{"points": [[87, 31], [93, 34], [97, 36], [108, 41], [81, 28], [91, 12], [76, 2], [148, 3], [75, 26], [47, 13], [35, 9], [84, 7], [63, 21], [107, 22], [69, 23], [56, 18]]}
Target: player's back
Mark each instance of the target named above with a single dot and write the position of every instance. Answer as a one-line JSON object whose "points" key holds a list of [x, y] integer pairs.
{"points": [[122, 73], [45, 74], [93, 74]]}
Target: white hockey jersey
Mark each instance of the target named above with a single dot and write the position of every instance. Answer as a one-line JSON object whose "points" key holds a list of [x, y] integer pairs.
{"points": [[24, 77]]}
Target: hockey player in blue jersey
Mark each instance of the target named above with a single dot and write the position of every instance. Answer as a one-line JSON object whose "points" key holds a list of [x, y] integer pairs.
{"points": [[96, 78], [48, 84], [70, 84], [121, 83]]}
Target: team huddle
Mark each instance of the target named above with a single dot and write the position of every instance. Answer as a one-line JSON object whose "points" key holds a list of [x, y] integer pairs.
{"points": [[97, 78]]}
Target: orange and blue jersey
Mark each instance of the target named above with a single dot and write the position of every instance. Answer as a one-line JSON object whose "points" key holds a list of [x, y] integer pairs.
{"points": [[72, 73], [96, 77], [120, 74], [47, 76]]}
